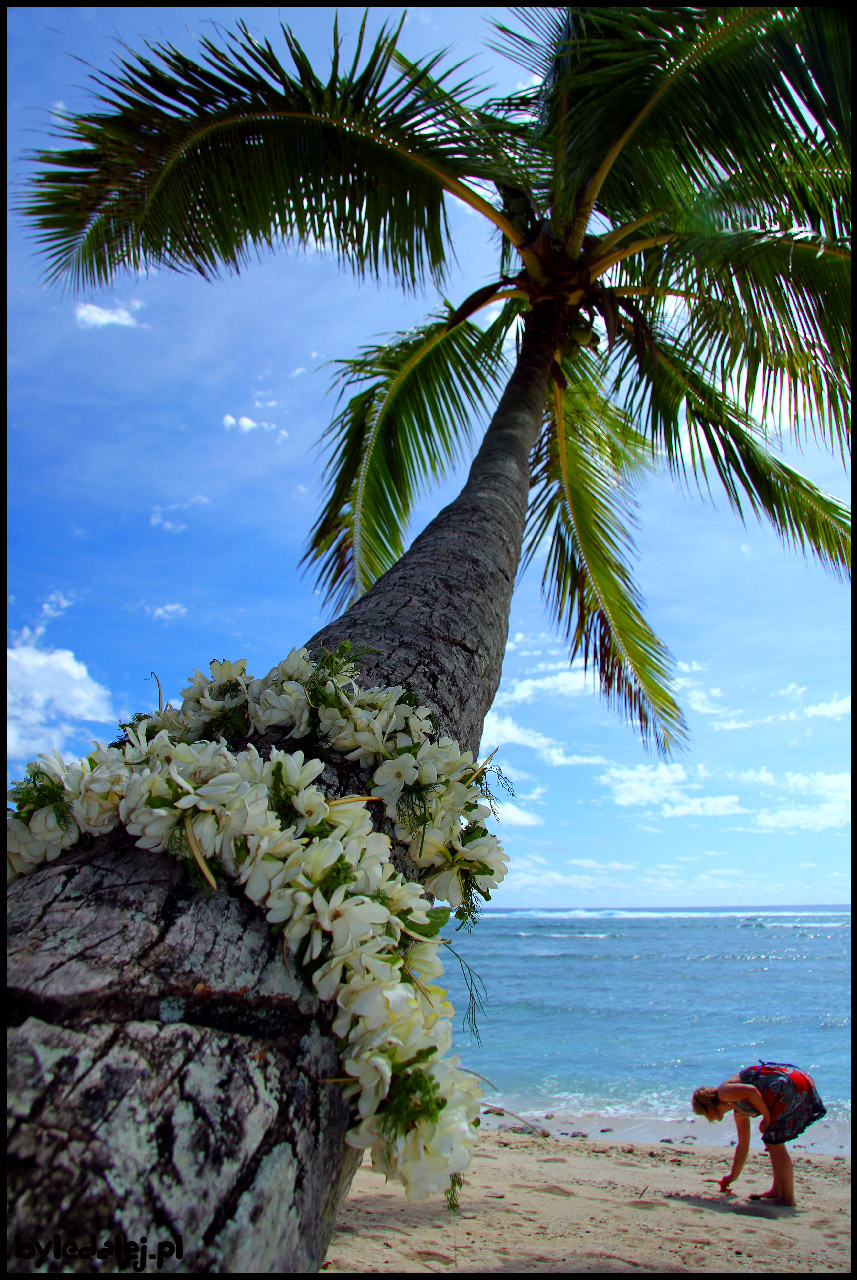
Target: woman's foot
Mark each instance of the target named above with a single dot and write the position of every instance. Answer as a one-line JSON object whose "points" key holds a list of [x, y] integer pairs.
{"points": [[773, 1197]]}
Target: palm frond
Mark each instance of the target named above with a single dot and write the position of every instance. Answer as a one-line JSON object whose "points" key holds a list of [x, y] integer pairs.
{"points": [[583, 504], [196, 165], [420, 396], [704, 432], [626, 91], [770, 312]]}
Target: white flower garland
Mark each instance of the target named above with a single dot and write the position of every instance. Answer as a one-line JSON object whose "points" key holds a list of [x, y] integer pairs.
{"points": [[359, 932]]}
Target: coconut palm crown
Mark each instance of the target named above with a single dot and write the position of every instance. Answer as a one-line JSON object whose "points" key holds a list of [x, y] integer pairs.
{"points": [[670, 199]]}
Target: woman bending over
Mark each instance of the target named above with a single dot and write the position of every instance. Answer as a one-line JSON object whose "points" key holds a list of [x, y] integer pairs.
{"points": [[787, 1101]]}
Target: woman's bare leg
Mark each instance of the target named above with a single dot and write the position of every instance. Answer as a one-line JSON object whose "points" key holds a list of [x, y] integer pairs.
{"points": [[784, 1180]]}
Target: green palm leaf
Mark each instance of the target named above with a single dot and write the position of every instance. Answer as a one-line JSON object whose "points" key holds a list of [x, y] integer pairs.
{"points": [[583, 504], [704, 431], [409, 422], [770, 312], [194, 165], [625, 89]]}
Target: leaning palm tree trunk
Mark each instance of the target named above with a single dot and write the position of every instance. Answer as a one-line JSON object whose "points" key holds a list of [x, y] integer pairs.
{"points": [[440, 617], [169, 1077]]}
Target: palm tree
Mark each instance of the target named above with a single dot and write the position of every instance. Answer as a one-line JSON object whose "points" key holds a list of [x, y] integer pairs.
{"points": [[674, 186]]}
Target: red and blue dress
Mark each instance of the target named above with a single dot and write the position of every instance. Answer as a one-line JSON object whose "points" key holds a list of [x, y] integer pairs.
{"points": [[790, 1096]]}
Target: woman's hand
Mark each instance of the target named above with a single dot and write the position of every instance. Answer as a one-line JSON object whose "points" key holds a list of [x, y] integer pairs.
{"points": [[724, 1184], [764, 1123]]}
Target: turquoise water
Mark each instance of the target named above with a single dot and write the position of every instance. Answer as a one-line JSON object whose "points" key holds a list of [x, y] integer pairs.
{"points": [[626, 1012]]}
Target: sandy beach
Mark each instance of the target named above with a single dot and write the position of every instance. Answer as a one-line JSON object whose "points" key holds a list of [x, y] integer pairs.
{"points": [[550, 1201]]}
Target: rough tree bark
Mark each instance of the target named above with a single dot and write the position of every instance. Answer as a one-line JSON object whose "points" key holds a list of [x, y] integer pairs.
{"points": [[166, 1071]]}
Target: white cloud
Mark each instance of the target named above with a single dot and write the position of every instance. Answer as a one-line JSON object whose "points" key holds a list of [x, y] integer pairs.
{"points": [[666, 785], [564, 683], [820, 818], [48, 692], [591, 865], [646, 784], [167, 612], [762, 776], [792, 691], [167, 526], [245, 424], [535, 795], [518, 775], [55, 605], [701, 700], [296, 373], [704, 807], [511, 815], [831, 809], [500, 730], [833, 710], [88, 316], [158, 520]]}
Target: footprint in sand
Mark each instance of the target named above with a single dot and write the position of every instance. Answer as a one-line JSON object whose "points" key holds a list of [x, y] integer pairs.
{"points": [[429, 1255], [554, 1190]]}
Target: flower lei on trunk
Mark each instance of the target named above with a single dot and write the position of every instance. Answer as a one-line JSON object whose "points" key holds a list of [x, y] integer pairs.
{"points": [[359, 933]]}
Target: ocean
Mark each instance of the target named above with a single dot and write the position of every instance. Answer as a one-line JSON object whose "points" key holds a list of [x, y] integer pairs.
{"points": [[625, 1012]]}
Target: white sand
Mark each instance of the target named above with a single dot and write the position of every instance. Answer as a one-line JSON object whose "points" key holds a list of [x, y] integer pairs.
{"points": [[579, 1204]]}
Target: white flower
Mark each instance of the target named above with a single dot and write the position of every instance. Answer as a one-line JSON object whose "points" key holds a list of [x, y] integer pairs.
{"points": [[373, 1074], [445, 885], [286, 705], [367, 737], [46, 829], [265, 876], [24, 850], [427, 846], [372, 1001], [368, 855], [53, 764], [319, 857], [296, 666], [296, 773], [96, 806], [392, 776], [140, 818], [311, 804], [350, 817], [288, 904], [221, 672], [348, 919]]}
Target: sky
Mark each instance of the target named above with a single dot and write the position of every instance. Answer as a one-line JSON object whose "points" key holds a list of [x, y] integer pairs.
{"points": [[164, 471]]}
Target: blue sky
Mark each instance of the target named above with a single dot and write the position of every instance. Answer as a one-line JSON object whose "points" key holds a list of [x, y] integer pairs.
{"points": [[164, 473]]}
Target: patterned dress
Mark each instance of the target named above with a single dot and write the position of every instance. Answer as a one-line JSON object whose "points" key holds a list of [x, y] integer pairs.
{"points": [[790, 1095]]}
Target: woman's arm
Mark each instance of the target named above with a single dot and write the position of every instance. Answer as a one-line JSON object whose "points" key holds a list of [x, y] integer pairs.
{"points": [[746, 1093], [742, 1124]]}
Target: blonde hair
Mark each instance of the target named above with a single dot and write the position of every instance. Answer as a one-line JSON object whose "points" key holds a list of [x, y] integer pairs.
{"points": [[703, 1100]]}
